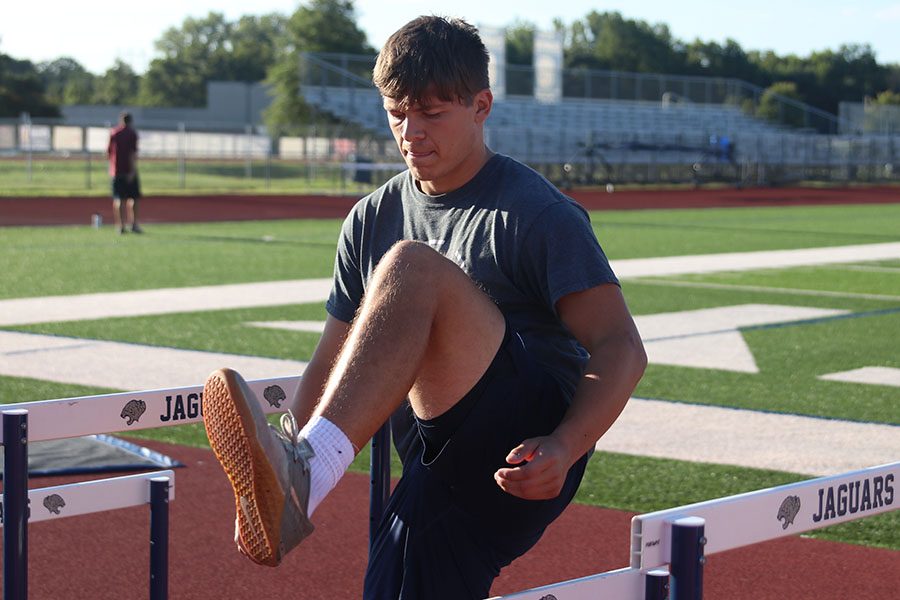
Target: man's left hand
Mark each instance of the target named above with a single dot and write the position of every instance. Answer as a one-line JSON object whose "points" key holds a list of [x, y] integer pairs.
{"points": [[541, 466]]}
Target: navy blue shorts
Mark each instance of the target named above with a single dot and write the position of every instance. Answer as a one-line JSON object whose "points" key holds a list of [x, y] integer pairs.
{"points": [[448, 528], [122, 189]]}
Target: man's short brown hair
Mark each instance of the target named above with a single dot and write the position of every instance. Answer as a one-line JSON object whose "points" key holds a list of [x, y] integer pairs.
{"points": [[432, 56]]}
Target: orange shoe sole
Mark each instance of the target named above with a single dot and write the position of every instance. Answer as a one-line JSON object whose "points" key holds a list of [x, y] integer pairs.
{"points": [[235, 440]]}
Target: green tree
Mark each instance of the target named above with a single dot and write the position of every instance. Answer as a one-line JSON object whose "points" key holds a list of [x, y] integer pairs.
{"points": [[713, 60], [321, 26], [892, 77], [610, 41], [520, 43], [191, 55], [66, 81], [520, 56], [887, 98], [209, 49], [119, 85], [255, 45], [824, 79], [849, 74], [22, 90], [772, 105]]}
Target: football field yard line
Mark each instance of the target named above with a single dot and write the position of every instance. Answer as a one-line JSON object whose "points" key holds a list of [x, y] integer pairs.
{"points": [[51, 309], [766, 289], [752, 261], [80, 307], [122, 366], [749, 438], [869, 268]]}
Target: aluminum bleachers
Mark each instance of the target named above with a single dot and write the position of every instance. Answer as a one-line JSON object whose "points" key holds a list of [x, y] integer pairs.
{"points": [[363, 107]]}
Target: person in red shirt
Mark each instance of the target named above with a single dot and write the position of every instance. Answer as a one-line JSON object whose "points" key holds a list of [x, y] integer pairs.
{"points": [[126, 188]]}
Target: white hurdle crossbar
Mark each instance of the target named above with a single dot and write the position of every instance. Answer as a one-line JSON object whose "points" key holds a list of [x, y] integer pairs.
{"points": [[74, 499], [768, 514], [131, 411], [724, 524], [621, 584]]}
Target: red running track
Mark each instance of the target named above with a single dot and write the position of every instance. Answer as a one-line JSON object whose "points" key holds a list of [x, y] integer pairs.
{"points": [[182, 209]]}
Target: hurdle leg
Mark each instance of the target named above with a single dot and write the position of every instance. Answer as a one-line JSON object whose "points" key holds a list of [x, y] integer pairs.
{"points": [[15, 505], [159, 538], [379, 477], [656, 585], [686, 582]]}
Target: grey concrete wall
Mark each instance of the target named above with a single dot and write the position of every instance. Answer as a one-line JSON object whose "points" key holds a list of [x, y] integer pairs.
{"points": [[230, 106]]}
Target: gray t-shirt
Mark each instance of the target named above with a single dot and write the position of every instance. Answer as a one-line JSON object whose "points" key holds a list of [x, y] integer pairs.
{"points": [[519, 238]]}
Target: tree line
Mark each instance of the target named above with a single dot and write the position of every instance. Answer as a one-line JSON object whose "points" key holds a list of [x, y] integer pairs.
{"points": [[267, 48]]}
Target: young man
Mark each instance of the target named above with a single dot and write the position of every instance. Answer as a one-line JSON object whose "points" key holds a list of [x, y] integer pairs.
{"points": [[473, 307], [126, 188]]}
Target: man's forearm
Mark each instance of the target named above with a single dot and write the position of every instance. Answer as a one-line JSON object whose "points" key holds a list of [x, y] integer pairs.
{"points": [[610, 377], [312, 384]]}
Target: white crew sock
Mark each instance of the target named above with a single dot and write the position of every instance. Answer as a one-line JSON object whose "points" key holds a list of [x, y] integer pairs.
{"points": [[334, 453]]}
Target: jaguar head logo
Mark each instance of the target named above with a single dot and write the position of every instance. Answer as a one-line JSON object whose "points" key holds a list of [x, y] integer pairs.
{"points": [[274, 395], [788, 510], [53, 503], [133, 411]]}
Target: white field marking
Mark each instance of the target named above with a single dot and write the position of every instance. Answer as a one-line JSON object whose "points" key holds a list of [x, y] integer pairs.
{"points": [[870, 375], [752, 261], [51, 309], [305, 326], [121, 366], [747, 438], [762, 288], [871, 269], [707, 338]]}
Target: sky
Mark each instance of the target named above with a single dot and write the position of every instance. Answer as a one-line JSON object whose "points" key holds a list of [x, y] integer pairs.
{"points": [[97, 32]]}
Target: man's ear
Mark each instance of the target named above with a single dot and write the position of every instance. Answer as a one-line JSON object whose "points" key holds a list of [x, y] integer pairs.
{"points": [[484, 101]]}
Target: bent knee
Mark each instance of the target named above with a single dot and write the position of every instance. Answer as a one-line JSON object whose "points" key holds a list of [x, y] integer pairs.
{"points": [[416, 255]]}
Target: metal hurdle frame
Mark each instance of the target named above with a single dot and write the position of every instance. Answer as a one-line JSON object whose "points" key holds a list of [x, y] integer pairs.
{"points": [[153, 488], [668, 547], [123, 412], [680, 538]]}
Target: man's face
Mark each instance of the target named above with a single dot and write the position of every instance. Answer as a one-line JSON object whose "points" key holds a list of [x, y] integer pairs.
{"points": [[441, 141]]}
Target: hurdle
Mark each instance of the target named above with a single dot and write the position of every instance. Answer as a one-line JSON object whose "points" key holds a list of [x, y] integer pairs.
{"points": [[154, 488], [89, 415], [679, 539], [109, 413], [668, 548]]}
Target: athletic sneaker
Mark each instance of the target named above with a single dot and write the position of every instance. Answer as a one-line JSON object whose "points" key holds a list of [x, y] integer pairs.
{"points": [[136, 229], [268, 469]]}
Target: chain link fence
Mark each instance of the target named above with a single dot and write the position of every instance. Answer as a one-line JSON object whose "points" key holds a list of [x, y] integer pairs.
{"points": [[44, 156]]}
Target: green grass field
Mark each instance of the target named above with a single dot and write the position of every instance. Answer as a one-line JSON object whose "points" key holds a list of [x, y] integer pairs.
{"points": [[72, 260]]}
